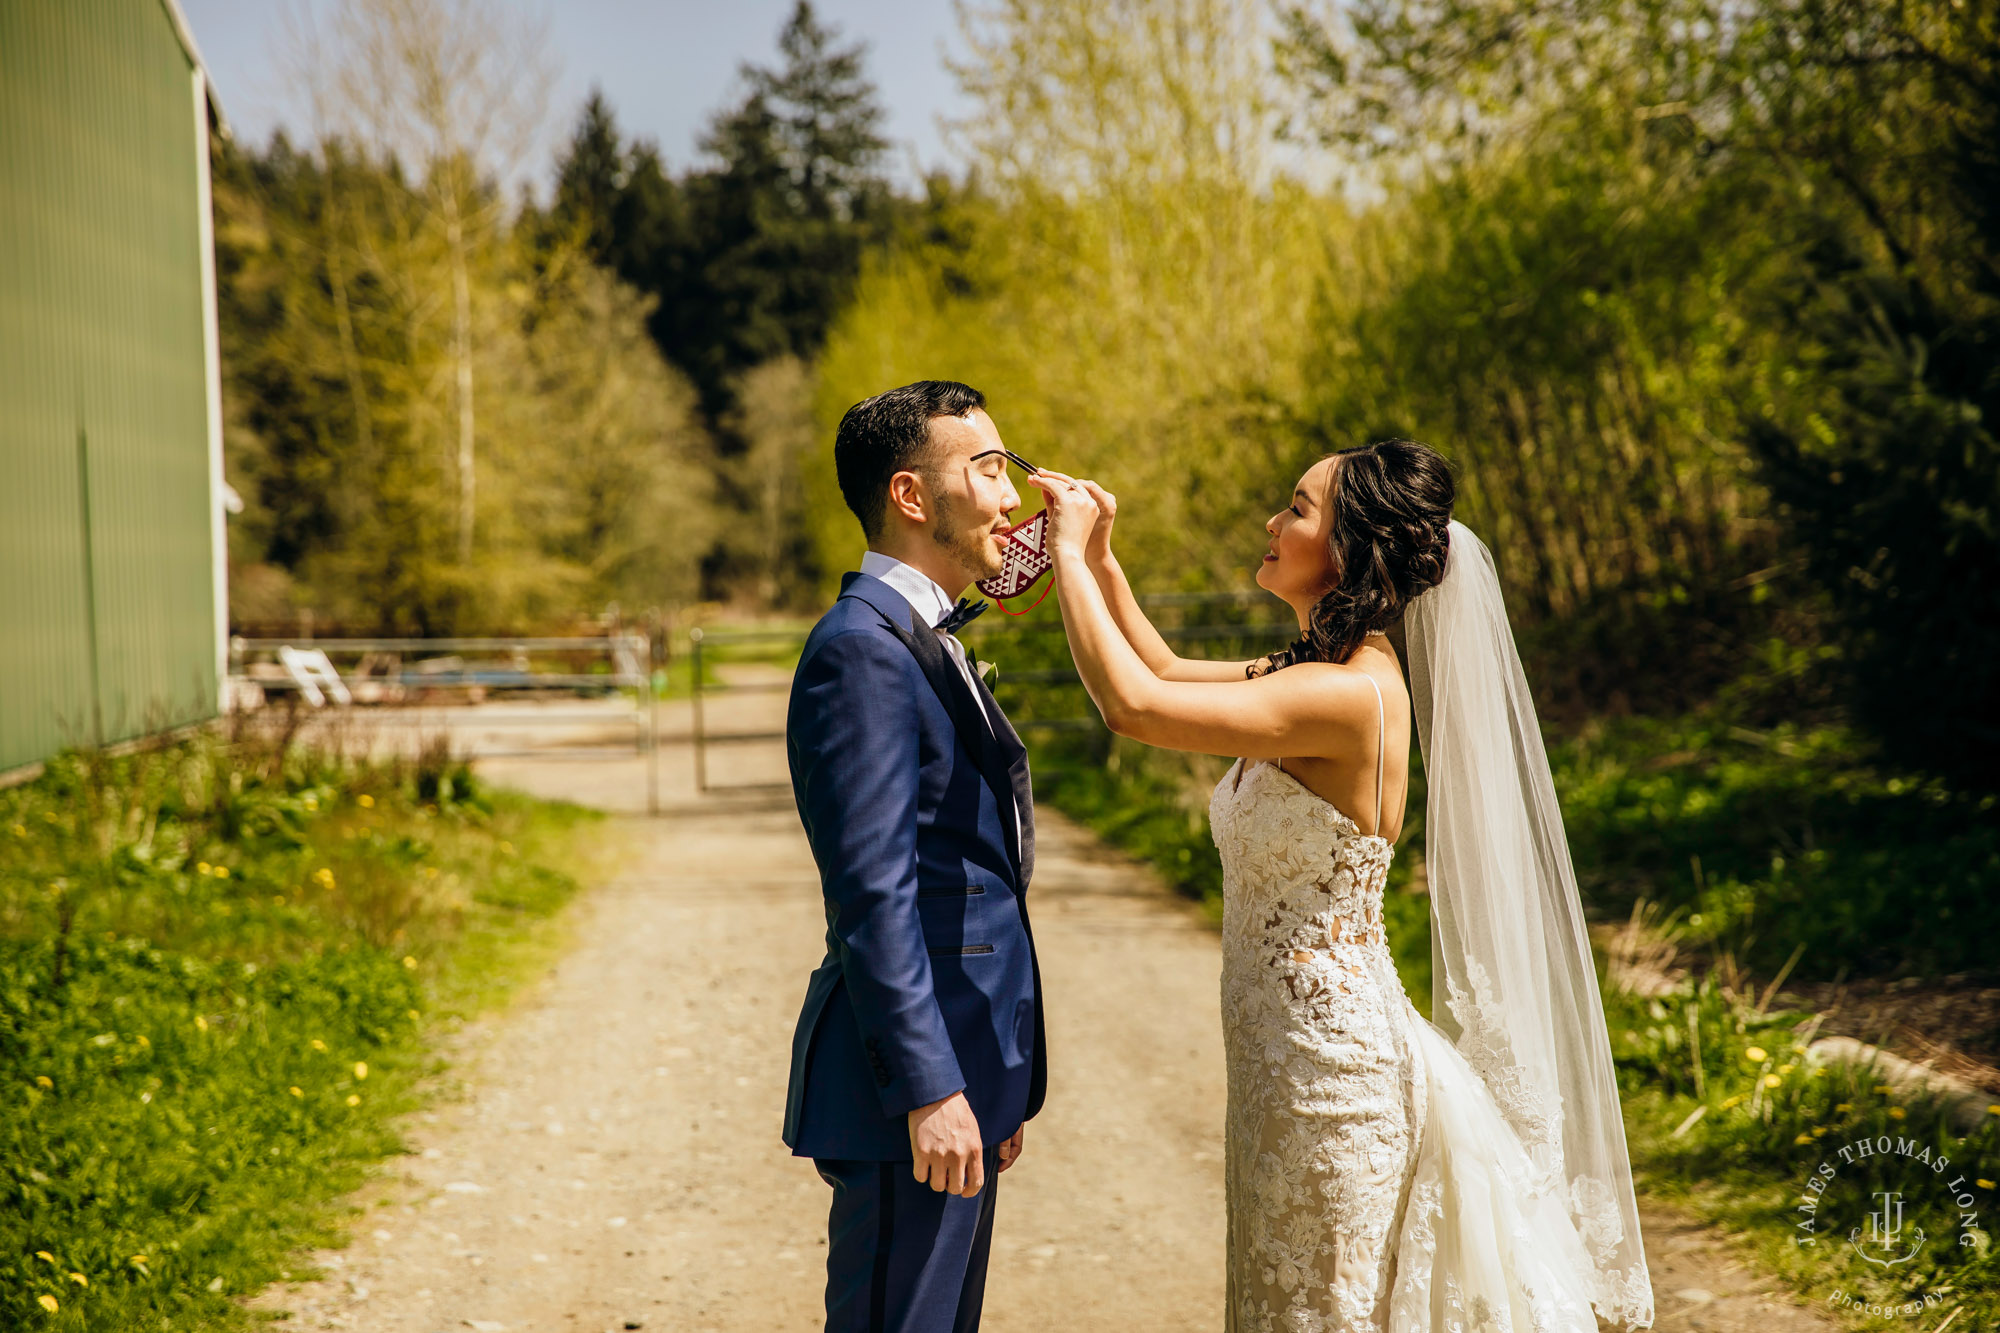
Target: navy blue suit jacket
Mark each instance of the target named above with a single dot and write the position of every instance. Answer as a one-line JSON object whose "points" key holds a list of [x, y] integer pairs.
{"points": [[930, 984]]}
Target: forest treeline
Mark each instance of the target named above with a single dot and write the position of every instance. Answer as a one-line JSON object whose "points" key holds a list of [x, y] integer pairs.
{"points": [[1703, 299], [451, 411]]}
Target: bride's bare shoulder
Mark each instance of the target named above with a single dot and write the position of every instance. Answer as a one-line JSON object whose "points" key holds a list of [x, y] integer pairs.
{"points": [[1342, 695]]}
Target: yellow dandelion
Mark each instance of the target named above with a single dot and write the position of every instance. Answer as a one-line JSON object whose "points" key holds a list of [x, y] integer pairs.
{"points": [[1787, 1067], [361, 1069], [203, 868], [48, 1303], [1994, 1109], [311, 801], [365, 801], [44, 1254], [1731, 1101], [1819, 1130], [143, 1043], [1984, 1184], [1842, 1106], [507, 847], [1895, 1113], [1803, 1138], [354, 1099], [1883, 1089], [44, 1081], [1754, 1054], [79, 1279], [323, 877], [1772, 1080], [410, 961], [414, 1015], [20, 830], [201, 1024], [136, 1259], [222, 872], [294, 1090], [318, 1045]]}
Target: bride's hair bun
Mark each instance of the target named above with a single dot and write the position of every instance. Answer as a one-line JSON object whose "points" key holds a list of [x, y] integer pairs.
{"points": [[1429, 548], [1389, 537]]}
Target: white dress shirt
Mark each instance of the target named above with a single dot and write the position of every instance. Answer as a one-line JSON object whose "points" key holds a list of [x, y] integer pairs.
{"points": [[921, 591]]}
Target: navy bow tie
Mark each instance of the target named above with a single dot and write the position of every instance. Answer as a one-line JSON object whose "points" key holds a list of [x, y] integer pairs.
{"points": [[961, 614]]}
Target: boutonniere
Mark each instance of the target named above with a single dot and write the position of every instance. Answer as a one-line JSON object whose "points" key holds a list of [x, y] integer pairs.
{"points": [[990, 672]]}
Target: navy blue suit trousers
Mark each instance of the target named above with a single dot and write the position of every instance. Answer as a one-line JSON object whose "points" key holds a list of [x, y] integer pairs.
{"points": [[902, 1257]]}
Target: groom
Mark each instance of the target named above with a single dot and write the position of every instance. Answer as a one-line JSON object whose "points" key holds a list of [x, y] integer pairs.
{"points": [[919, 1051]]}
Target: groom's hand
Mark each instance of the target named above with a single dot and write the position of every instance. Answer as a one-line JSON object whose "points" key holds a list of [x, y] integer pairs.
{"points": [[945, 1147], [1010, 1151]]}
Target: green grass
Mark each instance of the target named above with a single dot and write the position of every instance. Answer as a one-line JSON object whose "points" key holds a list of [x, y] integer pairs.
{"points": [[1769, 1122], [219, 963]]}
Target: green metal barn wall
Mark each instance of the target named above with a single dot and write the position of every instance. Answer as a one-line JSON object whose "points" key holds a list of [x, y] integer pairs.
{"points": [[107, 586]]}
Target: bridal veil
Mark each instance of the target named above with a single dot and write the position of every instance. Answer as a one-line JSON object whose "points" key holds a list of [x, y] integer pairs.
{"points": [[1516, 997]]}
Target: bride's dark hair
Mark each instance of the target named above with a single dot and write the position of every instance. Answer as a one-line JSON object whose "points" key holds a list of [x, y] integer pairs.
{"points": [[1388, 532]]}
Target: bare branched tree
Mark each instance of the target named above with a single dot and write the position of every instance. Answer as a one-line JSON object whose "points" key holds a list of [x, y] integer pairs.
{"points": [[455, 89]]}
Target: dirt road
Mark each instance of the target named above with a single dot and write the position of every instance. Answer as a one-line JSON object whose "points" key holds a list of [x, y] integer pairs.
{"points": [[608, 1155]]}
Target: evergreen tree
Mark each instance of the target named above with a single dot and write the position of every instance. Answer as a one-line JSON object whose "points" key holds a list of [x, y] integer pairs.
{"points": [[750, 257], [616, 201], [591, 180]]}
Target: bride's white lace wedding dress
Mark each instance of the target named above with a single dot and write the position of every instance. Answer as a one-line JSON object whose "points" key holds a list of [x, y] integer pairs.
{"points": [[1373, 1182]]}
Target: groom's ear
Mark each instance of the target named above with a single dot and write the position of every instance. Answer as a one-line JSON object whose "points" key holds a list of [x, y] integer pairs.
{"points": [[910, 496]]}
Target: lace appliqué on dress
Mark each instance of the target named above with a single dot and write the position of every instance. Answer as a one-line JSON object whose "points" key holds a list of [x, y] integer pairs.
{"points": [[1320, 1129], [1374, 1182], [1483, 1042], [1620, 1294]]}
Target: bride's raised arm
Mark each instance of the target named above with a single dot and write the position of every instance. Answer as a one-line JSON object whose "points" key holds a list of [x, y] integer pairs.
{"points": [[1146, 641], [1265, 718]]}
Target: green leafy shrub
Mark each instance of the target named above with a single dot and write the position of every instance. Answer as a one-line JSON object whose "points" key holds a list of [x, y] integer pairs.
{"points": [[1781, 840]]}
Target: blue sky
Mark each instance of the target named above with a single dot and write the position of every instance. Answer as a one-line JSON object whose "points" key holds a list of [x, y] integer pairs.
{"points": [[663, 65]]}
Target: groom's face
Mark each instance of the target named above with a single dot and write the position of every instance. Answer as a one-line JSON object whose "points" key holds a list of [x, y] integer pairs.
{"points": [[972, 500]]}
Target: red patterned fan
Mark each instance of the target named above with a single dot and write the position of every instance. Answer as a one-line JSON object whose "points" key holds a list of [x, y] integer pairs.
{"points": [[1026, 559]]}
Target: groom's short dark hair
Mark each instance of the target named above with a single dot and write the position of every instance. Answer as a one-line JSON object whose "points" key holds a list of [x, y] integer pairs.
{"points": [[891, 433]]}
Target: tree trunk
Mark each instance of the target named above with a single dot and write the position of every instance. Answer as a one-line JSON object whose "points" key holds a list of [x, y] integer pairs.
{"points": [[461, 340], [343, 317]]}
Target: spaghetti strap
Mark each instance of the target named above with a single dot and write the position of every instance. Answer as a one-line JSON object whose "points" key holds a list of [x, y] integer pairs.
{"points": [[1381, 747]]}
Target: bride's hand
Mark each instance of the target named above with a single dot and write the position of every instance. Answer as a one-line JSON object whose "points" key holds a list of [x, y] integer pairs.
{"points": [[1098, 551], [1073, 512]]}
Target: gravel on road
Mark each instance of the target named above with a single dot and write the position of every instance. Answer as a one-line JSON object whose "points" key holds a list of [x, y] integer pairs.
{"points": [[605, 1152]]}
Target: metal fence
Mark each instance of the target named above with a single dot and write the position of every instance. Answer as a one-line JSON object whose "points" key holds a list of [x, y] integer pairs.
{"points": [[418, 682], [1040, 641], [700, 643]]}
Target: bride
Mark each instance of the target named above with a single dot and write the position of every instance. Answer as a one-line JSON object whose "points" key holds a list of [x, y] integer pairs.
{"points": [[1384, 1173]]}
